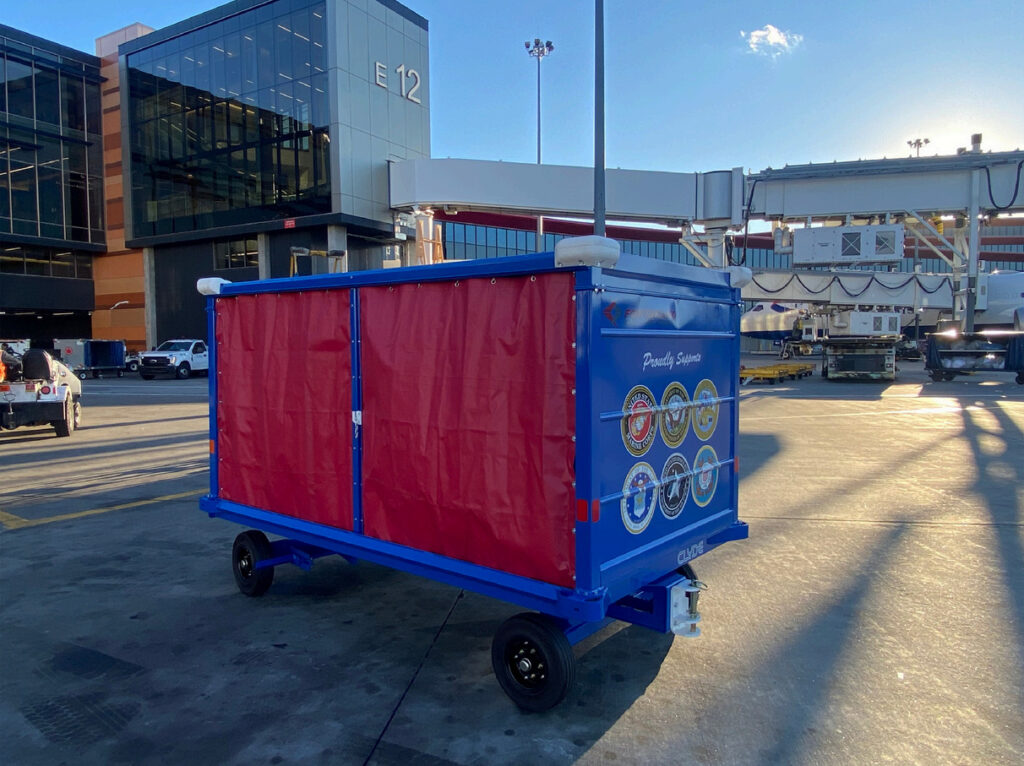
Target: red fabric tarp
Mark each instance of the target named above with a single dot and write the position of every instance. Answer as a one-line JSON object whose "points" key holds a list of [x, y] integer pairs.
{"points": [[284, 404], [468, 419]]}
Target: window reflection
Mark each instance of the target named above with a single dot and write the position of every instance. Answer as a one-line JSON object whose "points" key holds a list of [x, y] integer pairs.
{"points": [[229, 123]]}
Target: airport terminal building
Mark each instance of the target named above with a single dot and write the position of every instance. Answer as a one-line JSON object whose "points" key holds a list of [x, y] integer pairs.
{"points": [[229, 143]]}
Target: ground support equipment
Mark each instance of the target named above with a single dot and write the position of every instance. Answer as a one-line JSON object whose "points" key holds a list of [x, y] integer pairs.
{"points": [[562, 438]]}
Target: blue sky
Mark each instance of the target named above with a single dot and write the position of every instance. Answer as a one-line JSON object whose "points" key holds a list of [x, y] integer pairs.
{"points": [[690, 85]]}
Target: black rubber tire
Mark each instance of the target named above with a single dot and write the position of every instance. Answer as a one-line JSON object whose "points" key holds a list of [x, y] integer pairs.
{"points": [[120, 373], [533, 661], [82, 376], [935, 376], [184, 371], [687, 571], [133, 366], [1020, 378], [146, 377], [249, 548], [66, 427]]}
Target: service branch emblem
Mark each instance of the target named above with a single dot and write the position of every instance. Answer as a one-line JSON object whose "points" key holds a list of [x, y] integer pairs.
{"points": [[705, 406], [639, 498], [675, 485], [675, 414], [639, 423]]}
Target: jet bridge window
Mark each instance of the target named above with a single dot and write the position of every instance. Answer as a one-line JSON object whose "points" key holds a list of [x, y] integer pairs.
{"points": [[885, 243], [851, 243]]}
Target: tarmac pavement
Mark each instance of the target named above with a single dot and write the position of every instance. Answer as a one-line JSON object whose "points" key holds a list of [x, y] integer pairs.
{"points": [[875, 615]]}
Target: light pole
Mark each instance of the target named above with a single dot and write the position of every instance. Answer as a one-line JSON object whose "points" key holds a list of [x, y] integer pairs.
{"points": [[539, 50], [917, 143]]}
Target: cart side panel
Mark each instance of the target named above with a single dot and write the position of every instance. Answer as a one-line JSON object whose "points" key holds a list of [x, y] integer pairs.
{"points": [[663, 389], [284, 409], [468, 421]]}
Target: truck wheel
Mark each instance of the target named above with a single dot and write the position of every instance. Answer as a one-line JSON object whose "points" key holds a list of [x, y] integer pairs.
{"points": [[251, 547], [1020, 378], [533, 661], [82, 375], [133, 366], [183, 371], [66, 426]]}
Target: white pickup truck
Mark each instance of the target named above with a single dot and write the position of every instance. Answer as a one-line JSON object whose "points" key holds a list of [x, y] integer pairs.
{"points": [[179, 358], [37, 390]]}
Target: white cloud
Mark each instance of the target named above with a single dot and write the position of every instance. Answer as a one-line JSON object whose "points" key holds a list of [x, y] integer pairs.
{"points": [[771, 41]]}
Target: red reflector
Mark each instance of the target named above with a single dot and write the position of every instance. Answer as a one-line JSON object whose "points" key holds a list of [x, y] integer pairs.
{"points": [[44, 390], [595, 511], [30, 386], [4, 387], [736, 464], [213, 446], [581, 510]]}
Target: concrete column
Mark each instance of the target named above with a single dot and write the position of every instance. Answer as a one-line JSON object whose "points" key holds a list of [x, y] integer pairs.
{"points": [[337, 241], [149, 279], [263, 255]]}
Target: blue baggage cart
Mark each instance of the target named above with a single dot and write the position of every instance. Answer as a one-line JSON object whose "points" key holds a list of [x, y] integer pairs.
{"points": [[557, 432]]}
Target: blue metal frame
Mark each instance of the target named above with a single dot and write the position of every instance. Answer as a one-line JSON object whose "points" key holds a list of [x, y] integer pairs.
{"points": [[632, 584]]}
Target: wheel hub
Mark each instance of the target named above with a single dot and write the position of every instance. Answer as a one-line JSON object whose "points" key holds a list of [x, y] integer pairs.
{"points": [[526, 663]]}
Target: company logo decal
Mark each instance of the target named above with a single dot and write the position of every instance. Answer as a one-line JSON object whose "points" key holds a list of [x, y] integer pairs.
{"points": [[639, 498], [639, 423], [705, 409], [675, 414], [705, 475], [675, 485]]}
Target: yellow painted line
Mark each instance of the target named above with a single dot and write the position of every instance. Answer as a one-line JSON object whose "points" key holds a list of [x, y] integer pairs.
{"points": [[10, 521]]}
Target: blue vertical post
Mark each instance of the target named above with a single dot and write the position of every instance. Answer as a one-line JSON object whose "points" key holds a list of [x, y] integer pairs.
{"points": [[211, 375], [357, 407]]}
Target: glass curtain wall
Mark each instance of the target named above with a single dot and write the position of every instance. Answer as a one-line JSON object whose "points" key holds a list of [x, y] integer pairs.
{"points": [[229, 122], [51, 148]]}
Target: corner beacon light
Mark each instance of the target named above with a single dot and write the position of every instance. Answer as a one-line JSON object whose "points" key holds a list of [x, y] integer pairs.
{"points": [[739, 275], [211, 285], [587, 251]]}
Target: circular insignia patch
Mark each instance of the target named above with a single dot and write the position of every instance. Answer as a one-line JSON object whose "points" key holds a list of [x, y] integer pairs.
{"points": [[639, 497], [639, 424], [705, 409], [675, 414], [705, 475], [675, 485]]}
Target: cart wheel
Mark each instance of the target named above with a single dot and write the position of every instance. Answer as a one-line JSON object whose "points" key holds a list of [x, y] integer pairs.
{"points": [[533, 661], [249, 548]]}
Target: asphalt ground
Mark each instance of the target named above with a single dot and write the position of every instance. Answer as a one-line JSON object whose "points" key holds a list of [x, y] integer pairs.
{"points": [[875, 615]]}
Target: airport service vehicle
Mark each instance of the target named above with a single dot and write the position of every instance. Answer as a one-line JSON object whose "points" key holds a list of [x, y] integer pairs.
{"points": [[861, 345], [87, 357], [555, 430], [41, 391], [179, 358]]}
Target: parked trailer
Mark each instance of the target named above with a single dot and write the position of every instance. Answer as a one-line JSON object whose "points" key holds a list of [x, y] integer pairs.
{"points": [[953, 352], [562, 437], [85, 356]]}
